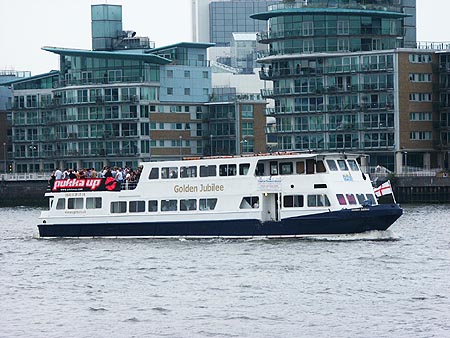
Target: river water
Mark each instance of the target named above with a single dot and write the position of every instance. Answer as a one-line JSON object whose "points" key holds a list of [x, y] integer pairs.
{"points": [[382, 284]]}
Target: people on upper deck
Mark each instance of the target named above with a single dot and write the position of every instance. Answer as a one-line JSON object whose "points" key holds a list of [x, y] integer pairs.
{"points": [[124, 175], [58, 174]]}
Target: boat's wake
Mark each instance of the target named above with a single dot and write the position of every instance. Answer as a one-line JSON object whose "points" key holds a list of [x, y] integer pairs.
{"points": [[384, 236]]}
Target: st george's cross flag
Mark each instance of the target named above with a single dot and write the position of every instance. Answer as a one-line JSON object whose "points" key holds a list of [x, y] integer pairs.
{"points": [[384, 189]]}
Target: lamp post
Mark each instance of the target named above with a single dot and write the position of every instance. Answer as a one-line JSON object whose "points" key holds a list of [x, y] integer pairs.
{"points": [[243, 142], [211, 143], [4, 155], [406, 161], [32, 149]]}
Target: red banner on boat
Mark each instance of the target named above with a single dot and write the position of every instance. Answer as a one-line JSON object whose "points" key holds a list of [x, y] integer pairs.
{"points": [[86, 184]]}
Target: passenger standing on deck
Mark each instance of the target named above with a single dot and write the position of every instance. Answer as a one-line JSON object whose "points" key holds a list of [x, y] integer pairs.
{"points": [[66, 174], [72, 174], [119, 176], [107, 173], [58, 174]]}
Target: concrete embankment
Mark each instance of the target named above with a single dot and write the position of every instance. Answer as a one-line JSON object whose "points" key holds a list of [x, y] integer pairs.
{"points": [[426, 189], [27, 193], [413, 189]]}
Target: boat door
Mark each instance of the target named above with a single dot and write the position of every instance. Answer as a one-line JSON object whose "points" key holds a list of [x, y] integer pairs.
{"points": [[271, 207]]}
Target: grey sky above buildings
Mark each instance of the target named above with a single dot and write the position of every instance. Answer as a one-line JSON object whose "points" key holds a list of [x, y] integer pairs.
{"points": [[26, 26]]}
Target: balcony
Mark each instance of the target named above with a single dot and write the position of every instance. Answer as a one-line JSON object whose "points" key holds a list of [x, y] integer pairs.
{"points": [[325, 4]]}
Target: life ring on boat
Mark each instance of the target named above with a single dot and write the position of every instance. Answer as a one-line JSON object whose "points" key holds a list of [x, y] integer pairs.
{"points": [[110, 183]]}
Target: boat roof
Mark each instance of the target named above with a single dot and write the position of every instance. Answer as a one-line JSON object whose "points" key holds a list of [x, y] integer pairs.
{"points": [[253, 158]]}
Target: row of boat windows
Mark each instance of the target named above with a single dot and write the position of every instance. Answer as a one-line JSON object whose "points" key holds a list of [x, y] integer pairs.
{"points": [[118, 207], [297, 201], [202, 171], [204, 204], [275, 168]]}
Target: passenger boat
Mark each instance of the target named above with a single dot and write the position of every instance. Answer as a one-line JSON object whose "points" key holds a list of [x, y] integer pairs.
{"points": [[277, 195]]}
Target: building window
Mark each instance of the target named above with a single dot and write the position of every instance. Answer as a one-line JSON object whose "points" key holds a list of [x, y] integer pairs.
{"points": [[420, 116], [343, 27], [169, 91], [343, 45], [170, 74], [205, 75], [115, 75], [420, 58], [247, 128], [308, 46], [187, 91], [187, 74], [420, 136], [308, 28], [421, 77], [205, 91], [247, 111], [420, 97]]}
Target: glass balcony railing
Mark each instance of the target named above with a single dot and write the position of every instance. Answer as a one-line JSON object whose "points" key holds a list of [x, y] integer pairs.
{"points": [[329, 108], [352, 4]]}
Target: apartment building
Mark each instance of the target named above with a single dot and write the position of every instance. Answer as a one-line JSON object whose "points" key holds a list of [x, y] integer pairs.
{"points": [[344, 81]]}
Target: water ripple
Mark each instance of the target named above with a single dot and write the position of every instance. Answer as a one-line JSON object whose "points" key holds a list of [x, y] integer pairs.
{"points": [[378, 284]]}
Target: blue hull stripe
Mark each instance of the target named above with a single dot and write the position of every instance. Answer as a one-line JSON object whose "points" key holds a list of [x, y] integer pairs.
{"points": [[345, 221]]}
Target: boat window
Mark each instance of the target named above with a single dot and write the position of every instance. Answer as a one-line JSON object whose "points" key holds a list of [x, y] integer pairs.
{"points": [[341, 199], [300, 167], [361, 198], [75, 203], [293, 201], [243, 168], [286, 168], [169, 172], [351, 199], [207, 204], [371, 198], [259, 171], [310, 167], [318, 201], [207, 170], [273, 168], [320, 167], [154, 174], [136, 206], [353, 165], [332, 165], [50, 202], [118, 207], [153, 206], [249, 202], [188, 171], [61, 204], [320, 186], [93, 203], [342, 165], [227, 170], [190, 204], [169, 205]]}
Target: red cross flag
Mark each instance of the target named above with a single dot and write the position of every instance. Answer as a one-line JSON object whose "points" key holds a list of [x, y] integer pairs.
{"points": [[384, 189]]}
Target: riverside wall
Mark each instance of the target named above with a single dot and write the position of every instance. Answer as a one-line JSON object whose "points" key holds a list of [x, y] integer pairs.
{"points": [[28, 191], [426, 189], [23, 193]]}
